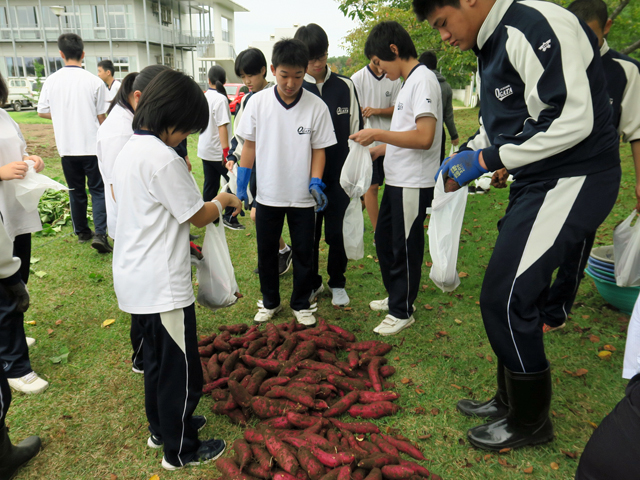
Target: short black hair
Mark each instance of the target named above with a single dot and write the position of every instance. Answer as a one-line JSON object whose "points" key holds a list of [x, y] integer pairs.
{"points": [[290, 51], [107, 65], [4, 91], [250, 62], [424, 8], [590, 10], [315, 38], [135, 82], [429, 59], [385, 34], [172, 102], [71, 45]]}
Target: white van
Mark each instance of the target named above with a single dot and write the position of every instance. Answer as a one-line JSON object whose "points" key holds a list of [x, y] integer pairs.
{"points": [[23, 92]]}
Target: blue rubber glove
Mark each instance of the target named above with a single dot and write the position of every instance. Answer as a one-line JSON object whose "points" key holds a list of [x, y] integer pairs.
{"points": [[244, 174], [462, 167], [316, 188]]}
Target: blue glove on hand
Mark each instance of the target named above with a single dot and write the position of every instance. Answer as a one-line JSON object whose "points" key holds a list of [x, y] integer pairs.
{"points": [[462, 167], [316, 188], [244, 174]]}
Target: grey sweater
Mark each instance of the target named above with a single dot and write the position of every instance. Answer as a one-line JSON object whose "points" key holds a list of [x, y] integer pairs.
{"points": [[447, 105]]}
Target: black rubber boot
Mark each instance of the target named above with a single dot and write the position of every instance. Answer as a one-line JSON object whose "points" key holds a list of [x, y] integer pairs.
{"points": [[497, 407], [527, 422], [12, 457]]}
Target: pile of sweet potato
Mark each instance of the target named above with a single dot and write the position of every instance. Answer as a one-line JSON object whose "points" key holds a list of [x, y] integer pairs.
{"points": [[293, 380]]}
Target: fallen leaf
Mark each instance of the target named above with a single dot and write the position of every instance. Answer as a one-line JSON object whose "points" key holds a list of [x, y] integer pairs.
{"points": [[569, 454], [40, 274], [113, 477], [58, 322], [370, 256], [463, 274], [405, 381], [459, 322], [593, 425], [488, 456], [154, 477], [604, 354], [594, 338], [347, 309], [456, 386], [477, 303], [581, 372], [62, 358], [609, 348], [428, 307], [528, 470], [419, 391], [424, 437], [109, 321], [554, 466], [49, 331], [428, 264], [421, 410], [30, 322], [397, 359], [489, 359], [435, 411], [585, 316], [505, 450]]}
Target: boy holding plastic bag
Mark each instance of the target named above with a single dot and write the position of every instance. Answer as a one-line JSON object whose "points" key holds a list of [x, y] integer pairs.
{"points": [[412, 157]]}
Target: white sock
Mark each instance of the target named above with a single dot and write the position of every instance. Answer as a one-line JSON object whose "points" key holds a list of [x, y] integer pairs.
{"points": [[285, 249]]}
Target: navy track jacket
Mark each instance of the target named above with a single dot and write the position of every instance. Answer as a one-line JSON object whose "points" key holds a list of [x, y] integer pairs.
{"points": [[544, 110]]}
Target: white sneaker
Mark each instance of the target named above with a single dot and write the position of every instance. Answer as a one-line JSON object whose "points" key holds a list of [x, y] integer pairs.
{"points": [[315, 293], [380, 305], [265, 314], [340, 297], [305, 317], [30, 383], [392, 325], [30, 342]]}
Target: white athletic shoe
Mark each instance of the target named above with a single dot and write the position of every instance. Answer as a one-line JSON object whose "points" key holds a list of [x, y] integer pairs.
{"points": [[265, 314], [30, 342], [392, 325], [380, 305], [340, 297], [29, 384], [315, 293], [305, 317]]}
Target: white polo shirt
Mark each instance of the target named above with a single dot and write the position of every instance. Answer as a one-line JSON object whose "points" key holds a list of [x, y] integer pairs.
{"points": [[112, 135], [16, 219], [74, 98], [420, 96], [285, 136], [376, 92], [209, 146], [110, 94], [156, 196]]}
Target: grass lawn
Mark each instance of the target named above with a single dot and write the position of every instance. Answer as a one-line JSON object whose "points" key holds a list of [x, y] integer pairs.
{"points": [[28, 117], [92, 418]]}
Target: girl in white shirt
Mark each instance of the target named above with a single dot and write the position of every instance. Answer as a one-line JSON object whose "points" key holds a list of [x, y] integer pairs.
{"points": [[20, 224], [157, 200]]}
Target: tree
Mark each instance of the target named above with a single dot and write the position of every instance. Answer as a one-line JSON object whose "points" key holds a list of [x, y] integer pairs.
{"points": [[456, 66]]}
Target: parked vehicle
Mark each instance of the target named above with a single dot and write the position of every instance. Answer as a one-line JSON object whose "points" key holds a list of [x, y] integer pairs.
{"points": [[23, 92], [235, 92]]}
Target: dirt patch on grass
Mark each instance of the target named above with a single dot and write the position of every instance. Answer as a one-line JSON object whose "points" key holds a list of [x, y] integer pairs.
{"points": [[40, 140]]}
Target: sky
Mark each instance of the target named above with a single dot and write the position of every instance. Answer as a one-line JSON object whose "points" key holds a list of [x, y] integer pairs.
{"points": [[265, 16]]}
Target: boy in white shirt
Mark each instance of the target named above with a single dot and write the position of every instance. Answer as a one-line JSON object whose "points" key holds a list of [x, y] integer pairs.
{"points": [[74, 100], [412, 158], [287, 128], [106, 71], [157, 200], [377, 95]]}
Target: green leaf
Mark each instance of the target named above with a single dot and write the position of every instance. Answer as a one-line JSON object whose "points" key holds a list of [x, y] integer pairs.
{"points": [[62, 358], [40, 274]]}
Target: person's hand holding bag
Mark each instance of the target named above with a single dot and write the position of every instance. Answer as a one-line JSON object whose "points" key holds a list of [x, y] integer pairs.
{"points": [[464, 167], [244, 174]]}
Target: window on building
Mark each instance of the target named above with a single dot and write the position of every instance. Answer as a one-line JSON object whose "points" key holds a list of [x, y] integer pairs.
{"points": [[122, 65], [118, 20], [34, 66], [225, 29], [14, 69], [5, 28], [99, 21], [55, 64], [27, 22]]}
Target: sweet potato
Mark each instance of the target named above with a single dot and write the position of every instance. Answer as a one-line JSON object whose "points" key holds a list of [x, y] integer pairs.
{"points": [[374, 474], [347, 384], [207, 350], [220, 344], [371, 397], [272, 366], [396, 472], [273, 337], [242, 453], [325, 341], [218, 394], [258, 375], [405, 447], [326, 356], [270, 382], [310, 463], [213, 367], [260, 455], [348, 336], [356, 427], [286, 348], [256, 345], [387, 371], [363, 346], [333, 437], [374, 374], [331, 475], [229, 364], [287, 461], [262, 353], [282, 475], [205, 374], [222, 356], [385, 446], [227, 467], [353, 358], [274, 353], [344, 473], [369, 447], [307, 376], [294, 394], [379, 350], [206, 340], [278, 423], [319, 366], [239, 394], [373, 410], [268, 408], [221, 382], [258, 471], [289, 369], [236, 416], [332, 460], [417, 469], [346, 368], [245, 381], [237, 329], [252, 435], [302, 351], [239, 373], [342, 405], [358, 474], [378, 461]]}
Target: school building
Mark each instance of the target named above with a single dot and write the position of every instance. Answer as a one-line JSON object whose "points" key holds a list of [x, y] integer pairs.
{"points": [[188, 35]]}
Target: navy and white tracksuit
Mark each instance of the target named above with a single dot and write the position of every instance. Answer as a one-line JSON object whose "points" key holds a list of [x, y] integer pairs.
{"points": [[623, 86], [339, 93], [545, 117]]}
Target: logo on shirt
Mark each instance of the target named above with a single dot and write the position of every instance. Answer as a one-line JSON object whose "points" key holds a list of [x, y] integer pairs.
{"points": [[545, 46], [400, 106], [387, 94], [304, 131], [342, 110], [428, 100], [504, 92]]}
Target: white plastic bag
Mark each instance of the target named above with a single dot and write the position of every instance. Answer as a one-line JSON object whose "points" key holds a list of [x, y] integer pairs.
{"points": [[626, 251], [355, 179], [445, 225], [217, 286], [232, 185], [32, 186]]}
